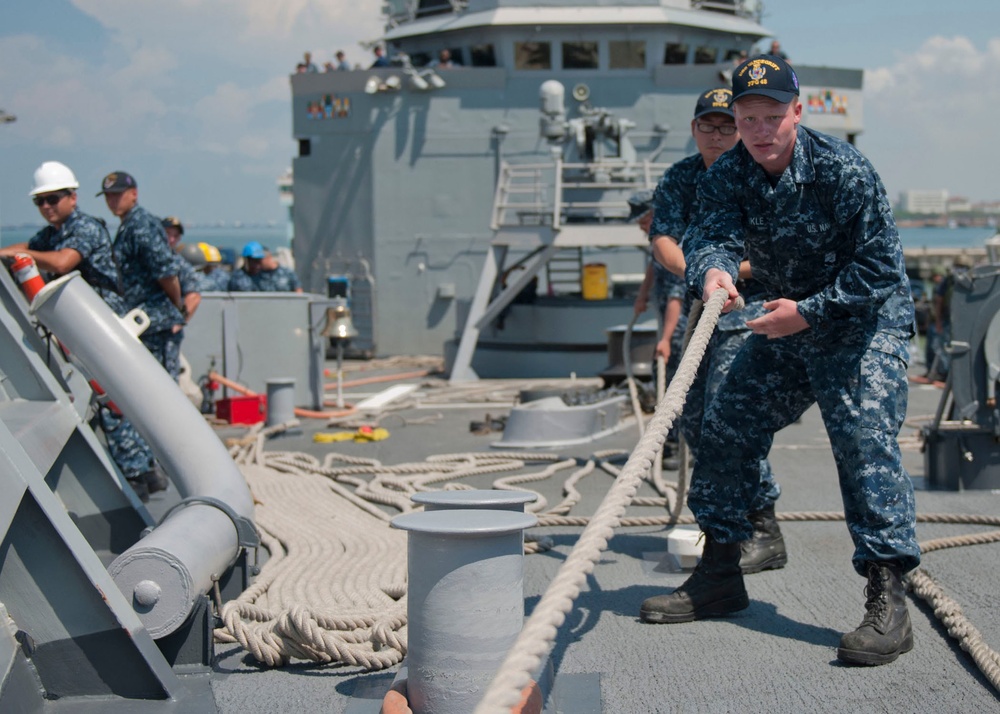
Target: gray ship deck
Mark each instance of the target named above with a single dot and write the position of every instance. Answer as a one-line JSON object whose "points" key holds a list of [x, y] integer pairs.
{"points": [[777, 656]]}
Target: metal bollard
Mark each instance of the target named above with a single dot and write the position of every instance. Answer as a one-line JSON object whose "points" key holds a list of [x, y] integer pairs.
{"points": [[280, 401], [475, 498], [465, 602]]}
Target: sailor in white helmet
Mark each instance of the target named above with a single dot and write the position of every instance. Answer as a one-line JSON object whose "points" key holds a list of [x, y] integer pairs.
{"points": [[72, 240]]}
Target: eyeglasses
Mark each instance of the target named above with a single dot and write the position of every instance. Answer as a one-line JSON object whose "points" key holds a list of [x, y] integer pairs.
{"points": [[724, 129], [50, 199]]}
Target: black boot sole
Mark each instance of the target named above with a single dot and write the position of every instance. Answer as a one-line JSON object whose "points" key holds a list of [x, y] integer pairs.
{"points": [[775, 562], [715, 609], [873, 659]]}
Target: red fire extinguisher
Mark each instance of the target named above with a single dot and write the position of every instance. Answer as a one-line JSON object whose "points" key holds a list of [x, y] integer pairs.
{"points": [[27, 275]]}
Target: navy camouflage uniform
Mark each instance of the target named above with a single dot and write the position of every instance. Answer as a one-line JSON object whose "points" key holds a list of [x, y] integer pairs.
{"points": [[675, 200], [144, 257], [667, 287], [89, 237], [240, 282], [823, 236], [216, 281], [281, 279], [191, 282]]}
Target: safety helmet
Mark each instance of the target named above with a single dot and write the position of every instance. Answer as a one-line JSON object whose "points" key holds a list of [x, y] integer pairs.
{"points": [[253, 250], [191, 252], [211, 253], [53, 176]]}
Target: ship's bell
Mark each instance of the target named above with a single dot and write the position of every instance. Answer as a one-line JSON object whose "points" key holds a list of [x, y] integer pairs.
{"points": [[338, 321]]}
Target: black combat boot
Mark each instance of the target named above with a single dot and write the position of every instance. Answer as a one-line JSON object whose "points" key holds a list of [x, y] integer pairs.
{"points": [[766, 548], [138, 485], [155, 480], [715, 588], [885, 633]]}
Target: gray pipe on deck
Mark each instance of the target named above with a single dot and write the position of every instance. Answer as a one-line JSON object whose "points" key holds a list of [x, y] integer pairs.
{"points": [[164, 573]]}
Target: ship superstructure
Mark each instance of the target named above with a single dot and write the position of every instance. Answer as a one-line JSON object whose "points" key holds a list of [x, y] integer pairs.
{"points": [[407, 175]]}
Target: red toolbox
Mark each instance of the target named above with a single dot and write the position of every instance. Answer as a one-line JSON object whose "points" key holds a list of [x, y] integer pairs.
{"points": [[242, 410]]}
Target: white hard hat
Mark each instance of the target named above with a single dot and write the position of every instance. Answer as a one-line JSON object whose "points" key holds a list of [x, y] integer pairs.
{"points": [[53, 176]]}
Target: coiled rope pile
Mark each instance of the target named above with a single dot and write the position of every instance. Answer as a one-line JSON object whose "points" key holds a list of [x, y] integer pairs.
{"points": [[333, 589]]}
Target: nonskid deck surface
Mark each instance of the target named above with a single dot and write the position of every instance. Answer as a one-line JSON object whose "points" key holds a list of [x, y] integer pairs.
{"points": [[777, 656]]}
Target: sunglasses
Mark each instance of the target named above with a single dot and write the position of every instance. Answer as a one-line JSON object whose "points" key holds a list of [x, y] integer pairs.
{"points": [[50, 199]]}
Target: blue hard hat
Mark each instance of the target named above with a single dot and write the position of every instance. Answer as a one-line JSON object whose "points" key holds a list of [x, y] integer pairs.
{"points": [[254, 250]]}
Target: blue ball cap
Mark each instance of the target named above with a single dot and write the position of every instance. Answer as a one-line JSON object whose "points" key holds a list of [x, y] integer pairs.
{"points": [[714, 101], [254, 250], [766, 76]]}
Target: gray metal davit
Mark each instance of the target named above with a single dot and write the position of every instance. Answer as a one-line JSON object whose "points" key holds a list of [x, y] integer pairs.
{"points": [[166, 571]]}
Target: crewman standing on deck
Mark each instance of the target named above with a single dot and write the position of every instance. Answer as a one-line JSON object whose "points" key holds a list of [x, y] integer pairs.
{"points": [[148, 269], [190, 280], [813, 216], [714, 131], [73, 240]]}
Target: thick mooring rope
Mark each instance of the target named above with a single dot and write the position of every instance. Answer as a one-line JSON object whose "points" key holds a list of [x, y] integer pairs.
{"points": [[333, 588], [337, 593], [539, 632]]}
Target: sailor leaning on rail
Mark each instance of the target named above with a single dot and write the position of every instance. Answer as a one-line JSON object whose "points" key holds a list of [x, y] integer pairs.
{"points": [[714, 131], [73, 240], [812, 214]]}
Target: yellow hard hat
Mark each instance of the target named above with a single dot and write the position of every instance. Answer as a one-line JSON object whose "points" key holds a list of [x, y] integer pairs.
{"points": [[211, 253]]}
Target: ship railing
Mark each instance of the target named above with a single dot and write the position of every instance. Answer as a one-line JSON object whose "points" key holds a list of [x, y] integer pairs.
{"points": [[743, 8], [402, 11], [552, 194]]}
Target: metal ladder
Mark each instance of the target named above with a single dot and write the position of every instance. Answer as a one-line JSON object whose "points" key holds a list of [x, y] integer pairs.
{"points": [[564, 272]]}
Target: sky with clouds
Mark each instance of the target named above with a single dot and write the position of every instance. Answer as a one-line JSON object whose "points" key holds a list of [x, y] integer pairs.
{"points": [[192, 96]]}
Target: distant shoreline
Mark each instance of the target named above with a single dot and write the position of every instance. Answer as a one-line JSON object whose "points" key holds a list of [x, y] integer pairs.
{"points": [[942, 223]]}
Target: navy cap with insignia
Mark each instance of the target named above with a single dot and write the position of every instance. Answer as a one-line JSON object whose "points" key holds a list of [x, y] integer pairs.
{"points": [[766, 76], [638, 203], [173, 222], [116, 182], [714, 101]]}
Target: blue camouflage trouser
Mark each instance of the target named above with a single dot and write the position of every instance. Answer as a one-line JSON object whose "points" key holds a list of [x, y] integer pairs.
{"points": [[721, 351], [861, 392], [166, 348], [127, 448]]}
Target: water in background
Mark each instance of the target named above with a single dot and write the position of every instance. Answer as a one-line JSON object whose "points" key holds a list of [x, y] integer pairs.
{"points": [[945, 237], [276, 237], [234, 238]]}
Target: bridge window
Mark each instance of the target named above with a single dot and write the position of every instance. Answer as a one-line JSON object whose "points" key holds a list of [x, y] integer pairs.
{"points": [[706, 55], [626, 54], [483, 56], [579, 55], [532, 55], [433, 7], [420, 59], [675, 53]]}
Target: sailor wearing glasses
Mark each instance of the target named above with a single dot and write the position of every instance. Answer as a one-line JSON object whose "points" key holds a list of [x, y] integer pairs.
{"points": [[714, 132], [814, 218], [72, 240]]}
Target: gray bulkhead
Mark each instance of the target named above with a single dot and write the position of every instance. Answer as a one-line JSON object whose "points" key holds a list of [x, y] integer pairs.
{"points": [[398, 184]]}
